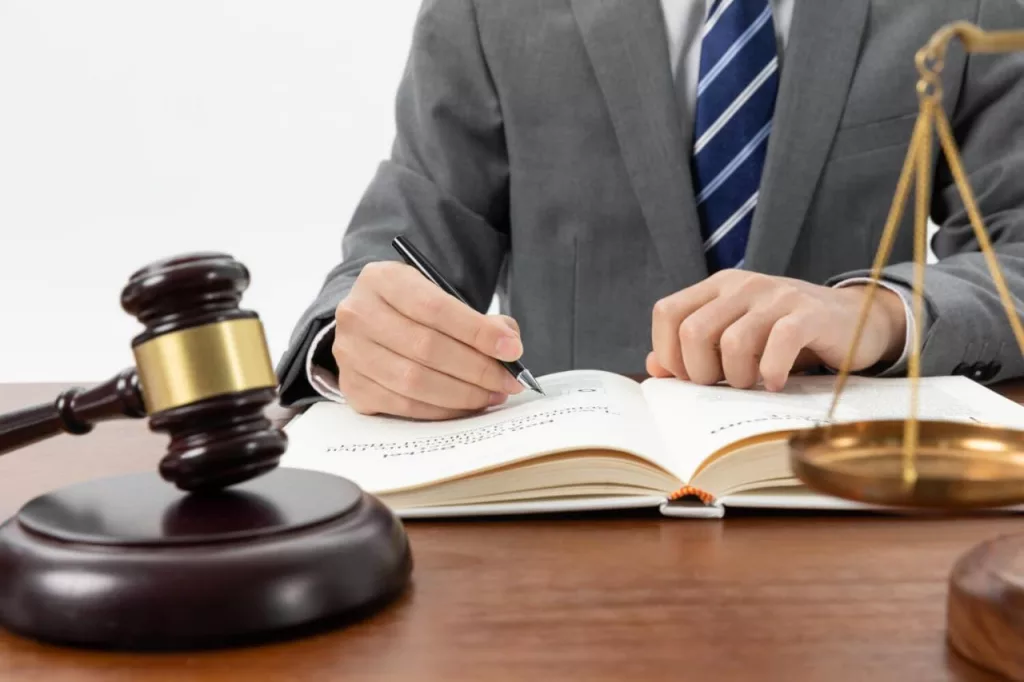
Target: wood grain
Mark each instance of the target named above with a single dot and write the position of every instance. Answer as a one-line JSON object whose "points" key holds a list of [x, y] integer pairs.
{"points": [[611, 596]]}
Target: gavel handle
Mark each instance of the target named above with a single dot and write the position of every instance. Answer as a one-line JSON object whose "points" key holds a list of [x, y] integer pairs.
{"points": [[75, 411]]}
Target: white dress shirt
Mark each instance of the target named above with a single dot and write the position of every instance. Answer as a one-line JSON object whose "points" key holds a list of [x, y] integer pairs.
{"points": [[684, 20]]}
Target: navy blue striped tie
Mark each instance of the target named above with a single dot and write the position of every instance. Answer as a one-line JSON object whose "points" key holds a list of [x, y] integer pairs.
{"points": [[739, 75]]}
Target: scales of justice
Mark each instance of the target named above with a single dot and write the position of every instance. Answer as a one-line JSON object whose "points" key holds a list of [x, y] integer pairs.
{"points": [[937, 465]]}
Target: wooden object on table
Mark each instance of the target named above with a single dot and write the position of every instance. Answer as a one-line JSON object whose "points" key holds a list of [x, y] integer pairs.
{"points": [[206, 370], [986, 606], [222, 546], [75, 411], [773, 597], [203, 376]]}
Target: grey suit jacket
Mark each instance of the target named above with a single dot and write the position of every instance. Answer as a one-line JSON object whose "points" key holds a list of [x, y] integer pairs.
{"points": [[542, 153]]}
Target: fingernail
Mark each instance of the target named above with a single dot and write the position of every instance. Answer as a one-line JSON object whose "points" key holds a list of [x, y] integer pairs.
{"points": [[497, 399], [508, 347]]}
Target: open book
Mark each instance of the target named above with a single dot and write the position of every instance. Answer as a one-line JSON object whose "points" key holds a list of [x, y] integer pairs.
{"points": [[602, 441]]}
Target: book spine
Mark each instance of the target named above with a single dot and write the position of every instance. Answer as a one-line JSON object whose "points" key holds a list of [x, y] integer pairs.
{"points": [[690, 491]]}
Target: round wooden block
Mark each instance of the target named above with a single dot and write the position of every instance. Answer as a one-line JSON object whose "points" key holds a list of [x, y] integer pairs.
{"points": [[986, 606], [132, 562]]}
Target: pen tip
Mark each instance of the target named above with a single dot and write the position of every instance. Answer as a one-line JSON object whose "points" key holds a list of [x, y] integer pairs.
{"points": [[531, 383]]}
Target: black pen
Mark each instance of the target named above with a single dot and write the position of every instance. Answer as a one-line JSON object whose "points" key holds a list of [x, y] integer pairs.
{"points": [[413, 257]]}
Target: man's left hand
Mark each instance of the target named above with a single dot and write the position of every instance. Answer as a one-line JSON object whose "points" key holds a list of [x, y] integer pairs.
{"points": [[743, 327]]}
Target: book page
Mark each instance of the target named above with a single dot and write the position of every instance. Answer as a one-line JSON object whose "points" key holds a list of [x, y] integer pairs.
{"points": [[695, 421], [582, 410]]}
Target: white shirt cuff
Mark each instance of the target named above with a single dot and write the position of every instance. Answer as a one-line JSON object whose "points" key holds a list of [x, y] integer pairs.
{"points": [[322, 381], [900, 365]]}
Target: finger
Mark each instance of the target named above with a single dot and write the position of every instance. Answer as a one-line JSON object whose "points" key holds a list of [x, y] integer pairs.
{"points": [[415, 297], [742, 346], [789, 336], [668, 314], [368, 397], [655, 369], [410, 379], [700, 334], [381, 323]]}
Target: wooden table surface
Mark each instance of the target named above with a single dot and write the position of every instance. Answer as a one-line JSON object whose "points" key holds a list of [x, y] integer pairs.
{"points": [[620, 596]]}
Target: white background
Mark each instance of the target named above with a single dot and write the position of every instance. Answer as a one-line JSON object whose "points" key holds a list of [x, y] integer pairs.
{"points": [[131, 130]]}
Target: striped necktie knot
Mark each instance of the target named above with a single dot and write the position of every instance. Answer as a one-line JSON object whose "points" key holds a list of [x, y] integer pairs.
{"points": [[736, 90]]}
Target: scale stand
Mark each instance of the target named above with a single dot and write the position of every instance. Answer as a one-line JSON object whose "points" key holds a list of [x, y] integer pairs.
{"points": [[937, 464]]}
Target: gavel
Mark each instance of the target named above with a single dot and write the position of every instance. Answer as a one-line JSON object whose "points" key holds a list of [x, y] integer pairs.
{"points": [[221, 545], [203, 375]]}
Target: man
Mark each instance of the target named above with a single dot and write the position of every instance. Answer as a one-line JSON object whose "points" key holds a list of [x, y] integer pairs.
{"points": [[671, 186]]}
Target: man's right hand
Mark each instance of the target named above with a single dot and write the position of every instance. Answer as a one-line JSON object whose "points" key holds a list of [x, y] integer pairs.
{"points": [[406, 348]]}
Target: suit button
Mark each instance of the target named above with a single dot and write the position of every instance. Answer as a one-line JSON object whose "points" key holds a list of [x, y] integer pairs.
{"points": [[988, 371], [982, 372]]}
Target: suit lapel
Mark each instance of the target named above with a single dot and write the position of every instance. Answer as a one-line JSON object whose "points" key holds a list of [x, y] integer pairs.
{"points": [[817, 71], [628, 47]]}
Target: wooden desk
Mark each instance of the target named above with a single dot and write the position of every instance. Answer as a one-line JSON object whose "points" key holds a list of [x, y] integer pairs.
{"points": [[769, 597]]}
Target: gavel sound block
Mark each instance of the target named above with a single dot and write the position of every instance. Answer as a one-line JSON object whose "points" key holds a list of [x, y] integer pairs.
{"points": [[221, 546], [985, 607]]}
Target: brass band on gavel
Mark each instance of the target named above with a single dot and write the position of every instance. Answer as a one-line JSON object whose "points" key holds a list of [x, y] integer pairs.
{"points": [[193, 364]]}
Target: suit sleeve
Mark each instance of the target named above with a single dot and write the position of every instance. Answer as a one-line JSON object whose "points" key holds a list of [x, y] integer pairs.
{"points": [[445, 185], [968, 332]]}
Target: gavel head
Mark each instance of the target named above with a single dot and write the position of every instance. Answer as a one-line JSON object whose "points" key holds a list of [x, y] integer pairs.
{"points": [[204, 370]]}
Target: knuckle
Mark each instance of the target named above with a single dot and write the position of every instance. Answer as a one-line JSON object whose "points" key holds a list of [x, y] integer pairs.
{"points": [[662, 308], [735, 342], [372, 272], [735, 279], [693, 329], [352, 311], [804, 301], [431, 303], [344, 314], [723, 276], [411, 378], [812, 305], [375, 273], [787, 295], [752, 283], [424, 346]]}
